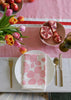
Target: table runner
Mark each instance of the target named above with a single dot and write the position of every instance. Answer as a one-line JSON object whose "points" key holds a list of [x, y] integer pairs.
{"points": [[33, 43]]}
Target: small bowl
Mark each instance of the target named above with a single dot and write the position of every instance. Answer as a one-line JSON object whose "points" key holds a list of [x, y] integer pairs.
{"points": [[19, 5], [60, 30]]}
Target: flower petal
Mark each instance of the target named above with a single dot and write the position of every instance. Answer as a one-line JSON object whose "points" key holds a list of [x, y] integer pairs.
{"points": [[43, 59], [30, 74], [27, 56], [26, 67], [26, 64], [41, 81], [33, 58], [23, 82], [37, 70], [42, 74], [32, 65], [38, 63]]}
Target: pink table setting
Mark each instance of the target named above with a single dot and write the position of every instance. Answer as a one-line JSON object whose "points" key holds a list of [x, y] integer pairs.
{"points": [[30, 41]]}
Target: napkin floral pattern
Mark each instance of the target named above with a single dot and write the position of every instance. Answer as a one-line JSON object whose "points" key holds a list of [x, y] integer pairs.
{"points": [[34, 71]]}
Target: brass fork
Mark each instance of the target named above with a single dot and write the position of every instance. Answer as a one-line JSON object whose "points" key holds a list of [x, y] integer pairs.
{"points": [[10, 65]]}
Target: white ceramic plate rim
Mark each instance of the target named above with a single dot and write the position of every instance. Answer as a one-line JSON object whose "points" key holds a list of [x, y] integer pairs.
{"points": [[32, 51]]}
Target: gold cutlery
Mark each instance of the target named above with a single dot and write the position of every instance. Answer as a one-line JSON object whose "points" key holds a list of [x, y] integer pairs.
{"points": [[10, 65], [56, 62], [60, 66]]}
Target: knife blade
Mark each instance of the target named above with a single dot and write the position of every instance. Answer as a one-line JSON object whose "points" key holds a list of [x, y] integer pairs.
{"points": [[60, 66]]}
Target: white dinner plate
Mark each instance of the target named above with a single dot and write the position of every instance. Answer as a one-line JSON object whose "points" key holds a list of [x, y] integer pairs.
{"points": [[50, 67]]}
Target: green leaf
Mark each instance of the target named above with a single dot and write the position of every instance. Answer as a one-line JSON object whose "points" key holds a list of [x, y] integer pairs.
{"points": [[1, 32], [25, 36], [3, 16], [13, 30], [2, 41], [2, 37], [3, 28], [21, 43], [7, 25], [4, 21]]}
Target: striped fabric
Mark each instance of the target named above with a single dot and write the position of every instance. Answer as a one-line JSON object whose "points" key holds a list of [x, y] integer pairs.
{"points": [[24, 96]]}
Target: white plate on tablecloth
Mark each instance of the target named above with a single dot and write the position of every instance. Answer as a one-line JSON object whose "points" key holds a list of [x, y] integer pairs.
{"points": [[50, 67]]}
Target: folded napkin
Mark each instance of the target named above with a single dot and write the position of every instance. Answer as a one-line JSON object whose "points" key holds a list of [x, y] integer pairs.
{"points": [[34, 71]]}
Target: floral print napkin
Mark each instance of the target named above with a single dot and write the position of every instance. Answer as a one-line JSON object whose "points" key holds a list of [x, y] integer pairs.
{"points": [[34, 73]]}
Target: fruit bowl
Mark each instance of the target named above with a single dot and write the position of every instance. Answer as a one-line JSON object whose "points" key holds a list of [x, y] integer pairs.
{"points": [[60, 30], [19, 7]]}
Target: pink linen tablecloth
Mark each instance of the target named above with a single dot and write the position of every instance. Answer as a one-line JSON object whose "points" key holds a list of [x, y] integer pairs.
{"points": [[38, 12], [33, 43], [46, 9]]}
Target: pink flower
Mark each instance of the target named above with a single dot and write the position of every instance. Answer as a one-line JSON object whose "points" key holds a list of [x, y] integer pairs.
{"points": [[23, 82], [16, 35], [37, 76], [26, 67], [43, 59], [22, 28], [9, 12], [38, 63], [21, 39], [1, 14], [17, 44]]}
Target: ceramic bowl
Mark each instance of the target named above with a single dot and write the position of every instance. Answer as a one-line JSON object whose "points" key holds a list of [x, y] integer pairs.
{"points": [[60, 30]]}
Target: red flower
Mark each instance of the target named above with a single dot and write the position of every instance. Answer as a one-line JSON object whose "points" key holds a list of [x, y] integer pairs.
{"points": [[23, 50], [13, 20], [20, 18]]}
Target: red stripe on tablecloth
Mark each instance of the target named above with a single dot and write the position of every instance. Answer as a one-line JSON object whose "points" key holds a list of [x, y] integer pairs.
{"points": [[31, 22], [65, 23], [41, 22]]}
